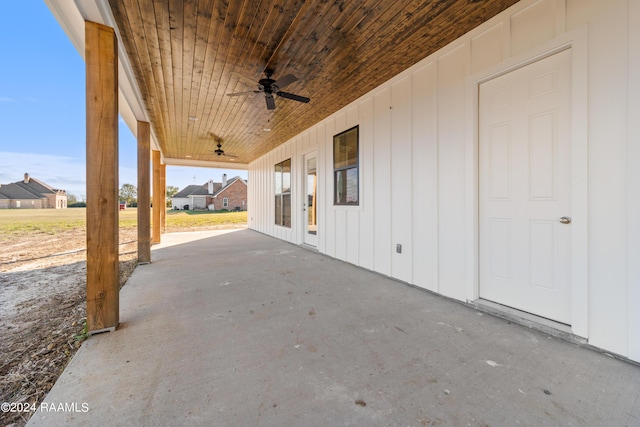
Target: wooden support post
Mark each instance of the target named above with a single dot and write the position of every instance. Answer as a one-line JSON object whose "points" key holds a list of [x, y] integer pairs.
{"points": [[144, 192], [103, 281], [157, 198], [163, 212]]}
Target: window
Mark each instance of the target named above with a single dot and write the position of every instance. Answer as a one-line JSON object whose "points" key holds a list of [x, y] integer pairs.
{"points": [[345, 168], [283, 193], [225, 202]]}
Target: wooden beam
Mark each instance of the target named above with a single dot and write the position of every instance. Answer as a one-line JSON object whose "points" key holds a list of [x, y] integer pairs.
{"points": [[163, 186], [103, 282], [144, 195], [157, 197]]}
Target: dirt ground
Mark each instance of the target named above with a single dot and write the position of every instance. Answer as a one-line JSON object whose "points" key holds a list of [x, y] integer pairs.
{"points": [[42, 310]]}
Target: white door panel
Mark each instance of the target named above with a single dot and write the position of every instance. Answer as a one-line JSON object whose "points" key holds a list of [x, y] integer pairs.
{"points": [[525, 188]]}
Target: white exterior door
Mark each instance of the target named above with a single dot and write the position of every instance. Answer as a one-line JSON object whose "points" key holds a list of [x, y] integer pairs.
{"points": [[525, 188], [310, 199]]}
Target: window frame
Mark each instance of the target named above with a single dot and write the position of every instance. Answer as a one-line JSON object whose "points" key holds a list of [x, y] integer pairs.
{"points": [[284, 197], [225, 202], [345, 169]]}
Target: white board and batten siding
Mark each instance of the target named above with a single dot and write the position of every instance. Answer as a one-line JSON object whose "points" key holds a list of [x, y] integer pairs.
{"points": [[419, 164]]}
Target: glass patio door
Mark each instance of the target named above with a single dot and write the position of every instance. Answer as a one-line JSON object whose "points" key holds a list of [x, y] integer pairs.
{"points": [[310, 199]]}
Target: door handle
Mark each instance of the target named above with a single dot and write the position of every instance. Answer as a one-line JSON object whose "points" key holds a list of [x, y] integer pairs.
{"points": [[565, 220]]}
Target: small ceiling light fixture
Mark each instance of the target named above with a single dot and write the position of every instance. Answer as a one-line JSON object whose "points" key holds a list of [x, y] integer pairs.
{"points": [[187, 156], [267, 127], [193, 118]]}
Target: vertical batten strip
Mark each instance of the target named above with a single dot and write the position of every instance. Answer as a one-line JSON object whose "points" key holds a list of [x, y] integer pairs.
{"points": [[102, 177]]}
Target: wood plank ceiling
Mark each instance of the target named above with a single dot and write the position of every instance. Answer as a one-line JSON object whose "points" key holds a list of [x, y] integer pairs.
{"points": [[185, 52]]}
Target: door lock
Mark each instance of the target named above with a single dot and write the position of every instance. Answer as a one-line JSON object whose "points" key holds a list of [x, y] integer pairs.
{"points": [[565, 220]]}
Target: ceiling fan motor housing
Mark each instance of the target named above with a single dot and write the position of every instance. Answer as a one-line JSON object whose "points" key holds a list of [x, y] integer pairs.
{"points": [[267, 85], [270, 87]]}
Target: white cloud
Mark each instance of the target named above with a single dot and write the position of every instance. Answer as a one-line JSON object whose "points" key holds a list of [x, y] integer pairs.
{"points": [[5, 99]]}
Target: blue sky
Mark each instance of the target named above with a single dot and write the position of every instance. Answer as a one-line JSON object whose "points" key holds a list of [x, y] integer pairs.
{"points": [[42, 108]]}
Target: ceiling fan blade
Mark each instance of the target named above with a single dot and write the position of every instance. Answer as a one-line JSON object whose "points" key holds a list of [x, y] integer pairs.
{"points": [[294, 97], [271, 103], [248, 92], [246, 80], [285, 80]]}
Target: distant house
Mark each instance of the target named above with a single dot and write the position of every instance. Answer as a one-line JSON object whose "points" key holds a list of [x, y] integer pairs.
{"points": [[229, 195], [31, 193]]}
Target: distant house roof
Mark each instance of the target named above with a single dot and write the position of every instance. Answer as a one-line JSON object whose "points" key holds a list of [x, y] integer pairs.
{"points": [[189, 190], [28, 188], [15, 191], [203, 190], [216, 187], [36, 186]]}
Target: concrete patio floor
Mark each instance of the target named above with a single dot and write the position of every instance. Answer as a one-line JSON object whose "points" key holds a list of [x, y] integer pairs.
{"points": [[235, 328]]}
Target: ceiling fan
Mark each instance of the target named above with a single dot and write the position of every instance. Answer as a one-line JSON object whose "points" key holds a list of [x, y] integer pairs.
{"points": [[270, 87], [219, 151]]}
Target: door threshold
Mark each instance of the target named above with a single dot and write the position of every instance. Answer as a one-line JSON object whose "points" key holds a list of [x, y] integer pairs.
{"points": [[309, 247], [529, 320]]}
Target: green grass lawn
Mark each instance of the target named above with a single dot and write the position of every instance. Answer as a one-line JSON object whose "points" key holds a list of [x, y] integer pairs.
{"points": [[49, 221], [53, 221], [188, 219]]}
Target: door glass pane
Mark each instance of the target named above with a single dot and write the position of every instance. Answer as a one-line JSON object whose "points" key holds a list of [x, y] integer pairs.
{"points": [[311, 196]]}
